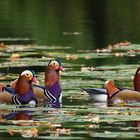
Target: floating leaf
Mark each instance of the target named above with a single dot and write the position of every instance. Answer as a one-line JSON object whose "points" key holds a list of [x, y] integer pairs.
{"points": [[14, 56]]}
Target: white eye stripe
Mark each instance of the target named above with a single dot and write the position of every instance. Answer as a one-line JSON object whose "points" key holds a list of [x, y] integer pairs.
{"points": [[27, 73], [54, 63]]}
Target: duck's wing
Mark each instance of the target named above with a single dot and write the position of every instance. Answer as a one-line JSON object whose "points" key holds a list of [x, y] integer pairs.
{"points": [[6, 97], [97, 94], [95, 90], [39, 92], [8, 89]]}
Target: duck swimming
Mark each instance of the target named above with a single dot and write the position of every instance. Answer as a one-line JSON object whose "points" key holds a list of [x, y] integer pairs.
{"points": [[51, 91], [114, 94], [23, 92]]}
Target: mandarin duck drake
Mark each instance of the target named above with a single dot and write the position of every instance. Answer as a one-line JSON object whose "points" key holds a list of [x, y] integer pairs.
{"points": [[23, 91], [114, 94], [51, 91], [123, 96], [10, 88]]}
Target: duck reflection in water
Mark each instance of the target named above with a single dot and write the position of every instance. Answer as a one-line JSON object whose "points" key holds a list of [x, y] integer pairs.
{"points": [[19, 118], [19, 115], [22, 118]]}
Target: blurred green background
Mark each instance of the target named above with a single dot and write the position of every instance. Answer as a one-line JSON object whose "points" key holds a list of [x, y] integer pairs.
{"points": [[80, 23]]}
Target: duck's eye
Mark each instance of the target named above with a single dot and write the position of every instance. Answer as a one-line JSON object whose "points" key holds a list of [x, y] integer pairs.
{"points": [[27, 74], [54, 63]]}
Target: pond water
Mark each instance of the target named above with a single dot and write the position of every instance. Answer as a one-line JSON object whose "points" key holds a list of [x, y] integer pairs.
{"points": [[78, 33], [79, 117]]}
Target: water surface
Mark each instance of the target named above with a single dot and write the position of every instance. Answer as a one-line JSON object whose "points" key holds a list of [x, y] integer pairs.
{"points": [[79, 117], [78, 33]]}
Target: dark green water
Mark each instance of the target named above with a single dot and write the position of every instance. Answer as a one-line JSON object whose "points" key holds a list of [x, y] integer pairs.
{"points": [[71, 30], [79, 23]]}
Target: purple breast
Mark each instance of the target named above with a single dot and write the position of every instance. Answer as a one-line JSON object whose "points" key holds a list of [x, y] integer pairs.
{"points": [[55, 90], [27, 97]]}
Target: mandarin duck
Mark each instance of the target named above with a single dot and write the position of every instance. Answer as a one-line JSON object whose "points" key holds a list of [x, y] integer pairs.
{"points": [[110, 91], [23, 92], [10, 88], [51, 91], [123, 96]]}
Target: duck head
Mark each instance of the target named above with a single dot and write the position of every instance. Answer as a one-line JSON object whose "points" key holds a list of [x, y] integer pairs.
{"points": [[120, 96], [24, 82], [52, 75], [13, 83], [136, 81], [111, 88]]}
